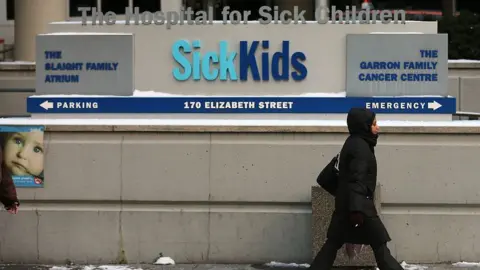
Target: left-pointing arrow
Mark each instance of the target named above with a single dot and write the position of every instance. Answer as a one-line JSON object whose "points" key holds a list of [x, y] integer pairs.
{"points": [[47, 105]]}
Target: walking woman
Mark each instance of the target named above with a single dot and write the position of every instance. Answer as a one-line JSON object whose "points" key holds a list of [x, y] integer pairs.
{"points": [[355, 219], [8, 191]]}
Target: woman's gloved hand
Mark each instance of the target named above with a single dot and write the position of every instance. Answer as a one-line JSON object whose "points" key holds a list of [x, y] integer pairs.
{"points": [[356, 218]]}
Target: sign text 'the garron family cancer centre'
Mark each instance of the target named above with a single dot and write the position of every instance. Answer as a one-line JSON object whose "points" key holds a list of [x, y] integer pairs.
{"points": [[227, 64]]}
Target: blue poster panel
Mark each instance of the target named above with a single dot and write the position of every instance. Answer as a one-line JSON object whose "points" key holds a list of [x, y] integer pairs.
{"points": [[22, 151]]}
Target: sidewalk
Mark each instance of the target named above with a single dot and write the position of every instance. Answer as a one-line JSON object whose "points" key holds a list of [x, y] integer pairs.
{"points": [[206, 267]]}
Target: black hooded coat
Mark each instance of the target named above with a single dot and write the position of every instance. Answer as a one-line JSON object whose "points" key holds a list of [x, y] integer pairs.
{"points": [[357, 182]]}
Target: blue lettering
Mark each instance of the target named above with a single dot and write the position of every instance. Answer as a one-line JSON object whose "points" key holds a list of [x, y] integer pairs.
{"points": [[53, 54], [420, 65], [63, 66], [181, 60], [377, 77], [210, 57], [196, 60], [223, 65], [248, 59], [62, 78], [301, 71], [200, 67], [429, 53], [227, 62], [108, 66], [264, 59], [283, 56], [419, 77], [380, 65]]}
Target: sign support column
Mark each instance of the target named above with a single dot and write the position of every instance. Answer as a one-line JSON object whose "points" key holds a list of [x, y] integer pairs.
{"points": [[32, 18]]}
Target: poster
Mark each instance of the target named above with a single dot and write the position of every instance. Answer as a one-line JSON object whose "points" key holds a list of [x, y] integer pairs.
{"points": [[22, 151]]}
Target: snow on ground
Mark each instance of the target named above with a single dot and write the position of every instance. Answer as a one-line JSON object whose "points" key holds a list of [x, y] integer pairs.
{"points": [[466, 264], [164, 261], [407, 266], [101, 267], [287, 265]]}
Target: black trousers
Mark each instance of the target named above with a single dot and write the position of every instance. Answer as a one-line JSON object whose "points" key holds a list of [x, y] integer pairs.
{"points": [[327, 255]]}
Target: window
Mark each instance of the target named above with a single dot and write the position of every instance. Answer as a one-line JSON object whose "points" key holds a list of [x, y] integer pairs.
{"points": [[149, 5], [10, 10], [240, 5], [75, 4], [409, 4], [195, 5], [116, 6], [472, 6]]}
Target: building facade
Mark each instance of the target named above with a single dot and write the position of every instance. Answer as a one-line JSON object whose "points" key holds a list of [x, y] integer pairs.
{"points": [[21, 20]]}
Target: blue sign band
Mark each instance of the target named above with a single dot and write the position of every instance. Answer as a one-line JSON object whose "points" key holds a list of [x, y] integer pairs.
{"points": [[260, 105], [21, 128]]}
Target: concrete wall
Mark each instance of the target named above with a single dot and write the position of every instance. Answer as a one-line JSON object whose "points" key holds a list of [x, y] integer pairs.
{"points": [[7, 31], [212, 194], [17, 82], [464, 81]]}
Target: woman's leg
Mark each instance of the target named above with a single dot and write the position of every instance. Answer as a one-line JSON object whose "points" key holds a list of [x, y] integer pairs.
{"points": [[326, 256], [385, 260]]}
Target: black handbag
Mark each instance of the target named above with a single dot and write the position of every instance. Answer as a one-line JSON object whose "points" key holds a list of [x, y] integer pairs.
{"points": [[328, 177]]}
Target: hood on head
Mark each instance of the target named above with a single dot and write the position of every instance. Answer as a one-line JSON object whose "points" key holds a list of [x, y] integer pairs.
{"points": [[359, 121]]}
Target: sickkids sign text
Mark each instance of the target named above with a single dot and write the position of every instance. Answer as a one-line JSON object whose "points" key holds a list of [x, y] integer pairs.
{"points": [[227, 64]]}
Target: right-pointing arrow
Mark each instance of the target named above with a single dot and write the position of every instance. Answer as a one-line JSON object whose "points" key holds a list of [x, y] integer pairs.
{"points": [[434, 105], [47, 105]]}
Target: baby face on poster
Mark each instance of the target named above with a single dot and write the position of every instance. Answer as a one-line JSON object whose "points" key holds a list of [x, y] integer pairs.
{"points": [[23, 153]]}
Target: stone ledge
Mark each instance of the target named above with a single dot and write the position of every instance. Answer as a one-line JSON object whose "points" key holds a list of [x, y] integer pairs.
{"points": [[17, 66], [323, 205], [239, 125], [467, 64], [254, 129]]}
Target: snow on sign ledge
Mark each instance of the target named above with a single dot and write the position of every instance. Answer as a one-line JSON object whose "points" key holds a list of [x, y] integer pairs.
{"points": [[152, 93], [466, 61]]}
